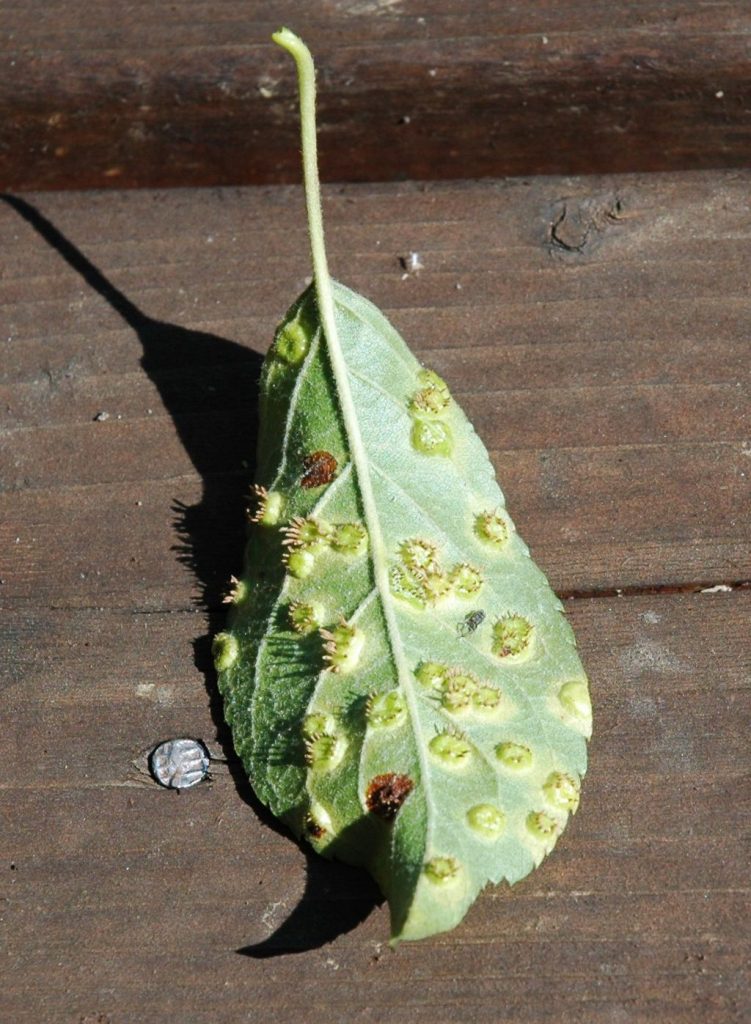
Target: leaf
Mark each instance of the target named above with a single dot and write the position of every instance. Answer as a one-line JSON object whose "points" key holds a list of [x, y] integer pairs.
{"points": [[401, 683]]}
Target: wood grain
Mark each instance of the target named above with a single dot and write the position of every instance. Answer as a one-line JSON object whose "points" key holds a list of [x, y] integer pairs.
{"points": [[161, 94], [609, 378]]}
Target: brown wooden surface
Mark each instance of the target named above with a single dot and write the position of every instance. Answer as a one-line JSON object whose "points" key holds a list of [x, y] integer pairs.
{"points": [[154, 93], [596, 331]]}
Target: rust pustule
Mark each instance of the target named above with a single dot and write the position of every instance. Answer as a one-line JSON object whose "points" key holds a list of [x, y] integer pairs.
{"points": [[319, 469], [386, 794]]}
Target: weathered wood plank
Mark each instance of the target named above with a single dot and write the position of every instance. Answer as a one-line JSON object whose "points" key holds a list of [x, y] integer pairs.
{"points": [[596, 377], [640, 915], [157, 94], [609, 380]]}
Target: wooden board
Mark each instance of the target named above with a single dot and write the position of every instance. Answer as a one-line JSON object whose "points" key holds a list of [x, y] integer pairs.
{"points": [[153, 93], [609, 378]]}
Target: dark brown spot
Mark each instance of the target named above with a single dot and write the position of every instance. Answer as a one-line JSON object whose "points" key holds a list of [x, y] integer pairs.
{"points": [[387, 793], [320, 468], [313, 828]]}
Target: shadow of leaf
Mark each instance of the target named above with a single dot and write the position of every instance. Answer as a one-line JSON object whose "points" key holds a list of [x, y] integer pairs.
{"points": [[209, 386]]}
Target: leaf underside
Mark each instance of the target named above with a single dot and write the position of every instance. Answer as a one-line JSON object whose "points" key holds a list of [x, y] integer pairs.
{"points": [[401, 683]]}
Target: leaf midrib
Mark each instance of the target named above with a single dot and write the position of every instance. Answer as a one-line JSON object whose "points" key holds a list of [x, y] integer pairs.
{"points": [[360, 462]]}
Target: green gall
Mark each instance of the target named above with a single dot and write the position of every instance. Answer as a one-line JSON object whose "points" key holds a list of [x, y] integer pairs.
{"points": [[324, 752], [561, 791], [486, 699], [309, 534], [318, 723], [492, 529], [430, 379], [574, 697], [318, 825], [386, 710], [418, 554], [292, 343], [455, 700], [350, 539], [544, 828], [442, 870], [486, 820], [300, 562], [269, 507], [465, 580], [435, 586], [237, 593], [225, 649], [304, 618], [514, 755], [431, 437], [464, 681], [405, 587], [429, 401], [512, 636], [342, 647], [432, 674], [450, 750]]}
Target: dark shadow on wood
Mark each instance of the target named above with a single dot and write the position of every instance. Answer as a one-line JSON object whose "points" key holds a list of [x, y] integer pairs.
{"points": [[209, 386]]}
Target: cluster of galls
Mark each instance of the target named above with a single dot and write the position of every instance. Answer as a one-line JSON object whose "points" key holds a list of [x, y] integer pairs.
{"points": [[459, 691], [304, 538], [419, 579], [430, 434]]}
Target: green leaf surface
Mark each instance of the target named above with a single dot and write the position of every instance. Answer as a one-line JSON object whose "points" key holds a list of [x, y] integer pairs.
{"points": [[401, 683]]}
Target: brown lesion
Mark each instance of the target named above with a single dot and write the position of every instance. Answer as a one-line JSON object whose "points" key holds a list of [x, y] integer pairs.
{"points": [[386, 794], [319, 468]]}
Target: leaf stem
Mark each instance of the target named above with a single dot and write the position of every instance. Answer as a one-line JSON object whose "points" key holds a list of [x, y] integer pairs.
{"points": [[306, 77]]}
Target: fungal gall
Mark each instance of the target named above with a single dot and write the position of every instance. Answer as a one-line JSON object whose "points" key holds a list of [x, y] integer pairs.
{"points": [[342, 647], [492, 529], [300, 562], [317, 823], [451, 750], [561, 791], [269, 506], [514, 755], [417, 553], [465, 580], [486, 820], [512, 636], [431, 437], [225, 649], [292, 343], [237, 592], [574, 696], [430, 379], [431, 400], [486, 699], [350, 539], [406, 588], [435, 585], [318, 723], [543, 827], [304, 618], [432, 674], [386, 794], [386, 710], [319, 468], [324, 751], [308, 534], [442, 870]]}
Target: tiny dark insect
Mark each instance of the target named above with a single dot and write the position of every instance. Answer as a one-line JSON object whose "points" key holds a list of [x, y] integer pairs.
{"points": [[386, 794], [470, 622], [320, 468]]}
